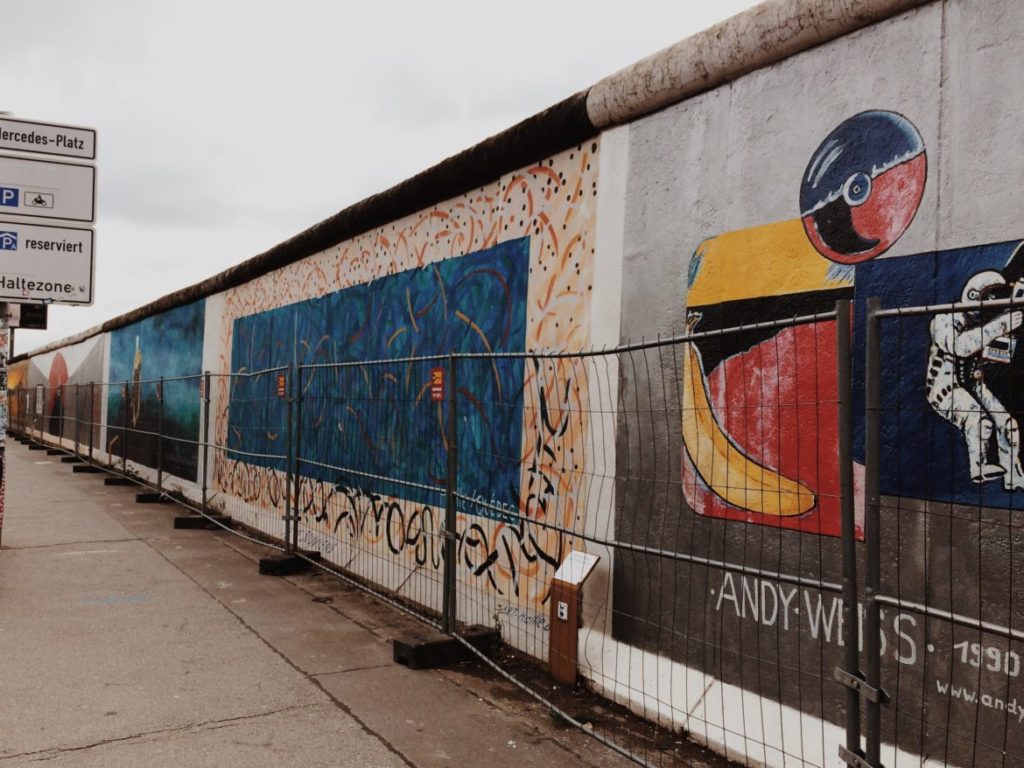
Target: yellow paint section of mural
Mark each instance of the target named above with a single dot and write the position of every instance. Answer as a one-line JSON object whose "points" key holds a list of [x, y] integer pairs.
{"points": [[16, 375], [726, 470], [770, 260]]}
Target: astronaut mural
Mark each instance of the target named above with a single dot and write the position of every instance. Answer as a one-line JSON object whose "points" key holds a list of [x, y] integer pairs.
{"points": [[964, 346], [949, 387], [759, 421]]}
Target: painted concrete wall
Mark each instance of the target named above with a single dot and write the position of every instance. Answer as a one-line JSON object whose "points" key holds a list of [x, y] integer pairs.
{"points": [[881, 163], [715, 193]]}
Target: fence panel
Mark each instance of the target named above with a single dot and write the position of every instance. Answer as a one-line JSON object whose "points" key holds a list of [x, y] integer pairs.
{"points": [[950, 530], [704, 472], [248, 448], [371, 462]]}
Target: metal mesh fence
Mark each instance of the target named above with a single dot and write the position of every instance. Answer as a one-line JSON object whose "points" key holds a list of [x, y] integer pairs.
{"points": [[752, 538]]}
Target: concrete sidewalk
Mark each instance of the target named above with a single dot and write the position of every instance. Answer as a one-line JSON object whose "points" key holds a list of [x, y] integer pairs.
{"points": [[126, 643]]}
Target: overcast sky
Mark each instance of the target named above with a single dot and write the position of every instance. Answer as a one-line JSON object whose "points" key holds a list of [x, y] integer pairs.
{"points": [[224, 127]]}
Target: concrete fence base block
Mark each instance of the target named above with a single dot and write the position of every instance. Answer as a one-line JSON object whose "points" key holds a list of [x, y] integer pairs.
{"points": [[54, 452], [86, 469], [199, 522], [70, 460], [36, 447], [118, 481], [152, 497], [433, 649], [286, 565]]}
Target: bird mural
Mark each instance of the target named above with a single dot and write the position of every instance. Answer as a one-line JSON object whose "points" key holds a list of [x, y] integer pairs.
{"points": [[758, 407]]}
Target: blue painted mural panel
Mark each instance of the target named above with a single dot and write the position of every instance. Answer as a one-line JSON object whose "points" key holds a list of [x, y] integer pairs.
{"points": [[170, 345], [372, 421]]}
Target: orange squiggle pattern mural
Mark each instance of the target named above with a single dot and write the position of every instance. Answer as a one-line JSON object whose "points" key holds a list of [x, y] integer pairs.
{"points": [[554, 204]]}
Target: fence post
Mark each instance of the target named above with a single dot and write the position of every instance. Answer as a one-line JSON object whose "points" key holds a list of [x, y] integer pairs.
{"points": [[296, 449], [92, 414], [160, 435], [449, 609], [205, 382], [124, 428], [872, 534], [59, 391], [851, 611], [76, 419]]}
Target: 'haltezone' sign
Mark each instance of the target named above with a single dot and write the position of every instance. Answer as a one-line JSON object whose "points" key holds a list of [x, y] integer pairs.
{"points": [[47, 138], [43, 264]]}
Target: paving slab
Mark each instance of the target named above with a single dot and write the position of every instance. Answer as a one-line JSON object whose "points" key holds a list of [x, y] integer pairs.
{"points": [[126, 642], [261, 741]]}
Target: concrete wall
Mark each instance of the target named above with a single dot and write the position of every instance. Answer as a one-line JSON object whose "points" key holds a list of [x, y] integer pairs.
{"points": [[701, 189]]}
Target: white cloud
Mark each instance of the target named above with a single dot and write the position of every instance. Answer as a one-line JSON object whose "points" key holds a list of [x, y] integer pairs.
{"points": [[226, 127]]}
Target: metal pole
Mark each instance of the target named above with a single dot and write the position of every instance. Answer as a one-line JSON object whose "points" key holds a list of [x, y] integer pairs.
{"points": [[58, 392], [851, 612], [124, 428], [160, 435], [206, 434], [4, 348], [78, 414], [295, 383], [449, 608], [92, 414], [872, 537]]}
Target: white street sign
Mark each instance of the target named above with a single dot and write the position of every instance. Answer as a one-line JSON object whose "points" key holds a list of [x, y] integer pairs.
{"points": [[47, 138], [47, 189], [43, 265]]}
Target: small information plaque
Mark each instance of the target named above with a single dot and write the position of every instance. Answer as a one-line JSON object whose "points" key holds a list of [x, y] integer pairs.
{"points": [[576, 567]]}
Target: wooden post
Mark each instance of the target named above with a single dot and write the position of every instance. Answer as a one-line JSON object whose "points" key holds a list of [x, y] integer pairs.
{"points": [[565, 629], [566, 616]]}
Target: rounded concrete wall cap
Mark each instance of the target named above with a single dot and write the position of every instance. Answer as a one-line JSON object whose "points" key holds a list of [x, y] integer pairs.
{"points": [[759, 37]]}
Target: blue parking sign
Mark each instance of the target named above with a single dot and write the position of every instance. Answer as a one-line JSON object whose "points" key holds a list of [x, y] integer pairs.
{"points": [[9, 196]]}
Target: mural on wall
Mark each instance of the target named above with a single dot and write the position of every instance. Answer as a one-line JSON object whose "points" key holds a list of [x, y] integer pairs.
{"points": [[757, 440], [949, 386], [546, 213], [759, 445], [381, 419], [70, 390], [759, 420], [168, 345]]}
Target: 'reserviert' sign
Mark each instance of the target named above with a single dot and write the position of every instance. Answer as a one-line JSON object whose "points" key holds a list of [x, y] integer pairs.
{"points": [[43, 264]]}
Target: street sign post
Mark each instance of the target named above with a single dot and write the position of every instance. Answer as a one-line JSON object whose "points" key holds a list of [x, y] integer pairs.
{"points": [[47, 189], [51, 261]]}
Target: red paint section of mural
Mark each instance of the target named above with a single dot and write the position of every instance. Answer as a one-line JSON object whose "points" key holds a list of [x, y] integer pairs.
{"points": [[58, 378], [895, 197], [778, 404]]}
